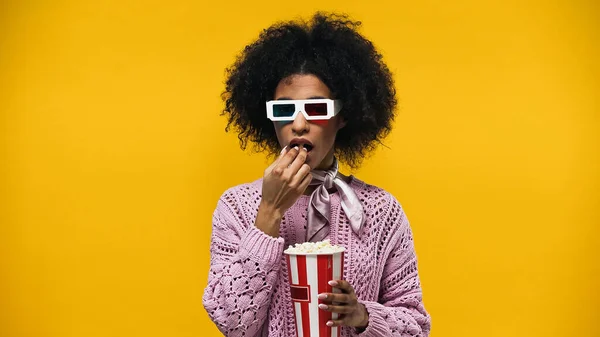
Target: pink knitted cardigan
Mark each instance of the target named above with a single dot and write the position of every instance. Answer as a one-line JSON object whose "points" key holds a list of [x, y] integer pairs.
{"points": [[248, 289]]}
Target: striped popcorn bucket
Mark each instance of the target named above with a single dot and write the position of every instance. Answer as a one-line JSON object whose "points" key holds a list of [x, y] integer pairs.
{"points": [[308, 276]]}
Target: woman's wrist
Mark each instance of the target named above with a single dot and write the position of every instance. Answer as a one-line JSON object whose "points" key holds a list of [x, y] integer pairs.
{"points": [[268, 219], [365, 322]]}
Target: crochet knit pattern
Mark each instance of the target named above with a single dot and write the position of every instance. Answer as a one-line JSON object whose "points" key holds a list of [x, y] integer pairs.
{"points": [[248, 289]]}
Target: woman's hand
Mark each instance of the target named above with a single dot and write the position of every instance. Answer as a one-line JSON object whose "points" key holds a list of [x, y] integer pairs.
{"points": [[352, 313], [283, 183]]}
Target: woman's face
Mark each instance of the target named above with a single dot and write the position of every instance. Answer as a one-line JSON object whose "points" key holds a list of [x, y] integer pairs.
{"points": [[320, 135]]}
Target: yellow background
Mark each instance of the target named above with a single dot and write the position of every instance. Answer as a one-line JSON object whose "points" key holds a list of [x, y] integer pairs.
{"points": [[113, 156]]}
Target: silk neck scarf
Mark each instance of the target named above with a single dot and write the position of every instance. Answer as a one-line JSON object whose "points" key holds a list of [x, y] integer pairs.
{"points": [[319, 209]]}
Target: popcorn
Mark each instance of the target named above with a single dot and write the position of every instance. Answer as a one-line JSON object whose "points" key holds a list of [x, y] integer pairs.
{"points": [[320, 247]]}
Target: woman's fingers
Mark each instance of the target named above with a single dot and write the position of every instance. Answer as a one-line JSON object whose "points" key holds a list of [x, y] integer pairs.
{"points": [[286, 160], [305, 169], [340, 309], [352, 312], [335, 322], [298, 162], [299, 176], [344, 286], [337, 298], [283, 152]]}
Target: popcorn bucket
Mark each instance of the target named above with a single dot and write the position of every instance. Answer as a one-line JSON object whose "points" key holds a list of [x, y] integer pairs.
{"points": [[308, 276]]}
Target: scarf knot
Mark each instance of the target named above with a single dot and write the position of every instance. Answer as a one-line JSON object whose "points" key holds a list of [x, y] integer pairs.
{"points": [[319, 208]]}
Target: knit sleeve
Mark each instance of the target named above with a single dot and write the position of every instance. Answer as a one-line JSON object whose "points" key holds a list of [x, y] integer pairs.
{"points": [[400, 310], [244, 267]]}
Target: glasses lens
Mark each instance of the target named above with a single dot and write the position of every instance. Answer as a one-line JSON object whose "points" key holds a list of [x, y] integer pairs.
{"points": [[316, 109], [284, 110]]}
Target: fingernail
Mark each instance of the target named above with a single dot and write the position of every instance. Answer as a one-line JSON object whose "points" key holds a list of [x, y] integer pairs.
{"points": [[303, 148], [322, 306], [322, 296], [333, 283], [330, 323], [283, 150], [295, 147]]}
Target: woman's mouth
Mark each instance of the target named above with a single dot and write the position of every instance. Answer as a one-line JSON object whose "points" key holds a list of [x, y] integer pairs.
{"points": [[307, 146]]}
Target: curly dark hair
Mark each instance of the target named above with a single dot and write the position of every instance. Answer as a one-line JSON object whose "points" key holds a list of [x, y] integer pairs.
{"points": [[330, 48]]}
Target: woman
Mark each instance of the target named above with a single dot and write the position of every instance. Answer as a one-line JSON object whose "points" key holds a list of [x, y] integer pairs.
{"points": [[314, 93]]}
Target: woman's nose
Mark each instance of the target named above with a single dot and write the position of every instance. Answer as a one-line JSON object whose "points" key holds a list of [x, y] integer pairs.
{"points": [[300, 125]]}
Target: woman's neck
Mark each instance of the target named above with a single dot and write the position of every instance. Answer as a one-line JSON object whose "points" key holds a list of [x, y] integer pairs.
{"points": [[310, 189]]}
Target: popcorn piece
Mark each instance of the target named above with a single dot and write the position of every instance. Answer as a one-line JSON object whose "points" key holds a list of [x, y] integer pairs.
{"points": [[320, 247]]}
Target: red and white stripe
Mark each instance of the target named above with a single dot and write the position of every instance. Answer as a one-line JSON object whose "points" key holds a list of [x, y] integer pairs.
{"points": [[309, 276]]}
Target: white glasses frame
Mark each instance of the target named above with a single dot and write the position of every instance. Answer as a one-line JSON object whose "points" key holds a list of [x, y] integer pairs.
{"points": [[333, 107]]}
